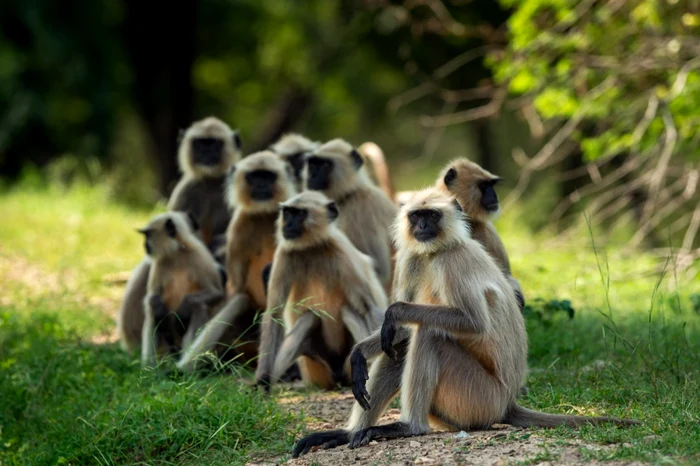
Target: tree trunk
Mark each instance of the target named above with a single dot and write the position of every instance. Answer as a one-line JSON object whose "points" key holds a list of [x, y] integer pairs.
{"points": [[162, 51]]}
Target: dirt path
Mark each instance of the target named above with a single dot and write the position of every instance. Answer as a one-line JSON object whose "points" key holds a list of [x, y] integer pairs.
{"points": [[503, 445]]}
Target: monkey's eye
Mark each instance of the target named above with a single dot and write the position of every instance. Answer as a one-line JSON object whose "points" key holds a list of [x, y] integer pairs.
{"points": [[433, 215], [413, 217]]}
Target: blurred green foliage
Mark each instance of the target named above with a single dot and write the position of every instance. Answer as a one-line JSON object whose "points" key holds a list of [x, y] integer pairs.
{"points": [[617, 64]]}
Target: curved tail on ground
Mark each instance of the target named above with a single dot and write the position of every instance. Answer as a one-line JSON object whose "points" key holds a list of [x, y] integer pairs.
{"points": [[522, 417], [376, 156]]}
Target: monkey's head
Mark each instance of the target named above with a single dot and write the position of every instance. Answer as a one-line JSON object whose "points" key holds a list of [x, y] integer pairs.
{"points": [[335, 168], [208, 148], [259, 182], [428, 222], [293, 148], [305, 220], [472, 186], [167, 233]]}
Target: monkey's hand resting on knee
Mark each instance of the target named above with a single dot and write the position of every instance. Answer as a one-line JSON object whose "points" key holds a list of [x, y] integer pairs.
{"points": [[325, 440], [358, 365], [389, 331]]}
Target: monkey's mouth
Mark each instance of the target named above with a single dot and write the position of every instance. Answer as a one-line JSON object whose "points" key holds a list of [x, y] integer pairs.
{"points": [[291, 233], [208, 158], [493, 207], [424, 237], [261, 194]]}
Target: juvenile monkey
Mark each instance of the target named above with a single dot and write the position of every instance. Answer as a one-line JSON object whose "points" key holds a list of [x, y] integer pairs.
{"points": [[293, 147], [184, 285], [366, 213], [473, 187], [257, 184], [454, 343], [324, 289], [207, 150]]}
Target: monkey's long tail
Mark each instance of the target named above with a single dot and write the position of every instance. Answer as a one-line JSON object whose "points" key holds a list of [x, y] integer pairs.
{"points": [[522, 417], [375, 154]]}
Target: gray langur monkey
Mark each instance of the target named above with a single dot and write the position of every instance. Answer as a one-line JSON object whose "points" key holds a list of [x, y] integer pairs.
{"points": [[324, 289], [453, 344], [335, 169], [473, 187], [292, 148], [185, 285]]}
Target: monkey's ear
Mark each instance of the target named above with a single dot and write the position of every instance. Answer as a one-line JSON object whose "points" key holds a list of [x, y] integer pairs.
{"points": [[170, 228], [332, 211], [450, 176], [457, 205], [180, 136], [193, 221], [357, 159], [144, 231], [236, 139], [231, 171]]}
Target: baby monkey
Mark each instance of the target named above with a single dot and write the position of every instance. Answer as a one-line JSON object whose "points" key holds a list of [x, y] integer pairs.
{"points": [[185, 284], [324, 289]]}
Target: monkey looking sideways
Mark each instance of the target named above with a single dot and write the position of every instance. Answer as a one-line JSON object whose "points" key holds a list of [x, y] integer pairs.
{"points": [[207, 150], [292, 148], [366, 213], [324, 289], [473, 187], [256, 186], [184, 285], [454, 342]]}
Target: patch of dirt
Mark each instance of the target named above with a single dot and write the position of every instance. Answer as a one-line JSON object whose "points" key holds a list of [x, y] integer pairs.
{"points": [[502, 445]]}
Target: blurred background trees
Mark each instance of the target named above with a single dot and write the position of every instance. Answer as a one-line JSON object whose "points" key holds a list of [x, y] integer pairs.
{"points": [[576, 103]]}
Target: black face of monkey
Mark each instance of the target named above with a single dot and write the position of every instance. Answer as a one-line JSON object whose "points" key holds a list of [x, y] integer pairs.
{"points": [[293, 218], [261, 184], [207, 151], [320, 170], [425, 224], [489, 198]]}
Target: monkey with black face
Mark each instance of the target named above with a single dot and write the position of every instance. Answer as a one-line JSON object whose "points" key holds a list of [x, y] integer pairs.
{"points": [[454, 343], [335, 169], [184, 285], [293, 147], [473, 187], [207, 150], [257, 184], [324, 289]]}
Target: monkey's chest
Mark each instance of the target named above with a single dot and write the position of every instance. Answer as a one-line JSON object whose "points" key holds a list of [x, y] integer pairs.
{"points": [[178, 285], [254, 283], [327, 304]]}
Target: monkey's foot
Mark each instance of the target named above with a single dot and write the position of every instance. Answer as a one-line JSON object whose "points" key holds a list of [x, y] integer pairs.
{"points": [[395, 430], [330, 439]]}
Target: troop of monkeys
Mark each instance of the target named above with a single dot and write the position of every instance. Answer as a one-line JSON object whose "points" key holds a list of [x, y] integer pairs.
{"points": [[302, 234]]}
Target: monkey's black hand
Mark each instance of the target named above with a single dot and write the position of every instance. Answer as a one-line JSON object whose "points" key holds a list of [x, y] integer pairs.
{"points": [[358, 365], [158, 307], [388, 333]]}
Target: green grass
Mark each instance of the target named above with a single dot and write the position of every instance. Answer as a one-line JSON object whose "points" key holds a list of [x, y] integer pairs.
{"points": [[632, 348]]}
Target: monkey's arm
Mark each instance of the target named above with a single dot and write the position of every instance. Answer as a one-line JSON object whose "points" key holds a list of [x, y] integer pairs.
{"points": [[445, 318], [272, 330], [185, 199], [155, 311]]}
